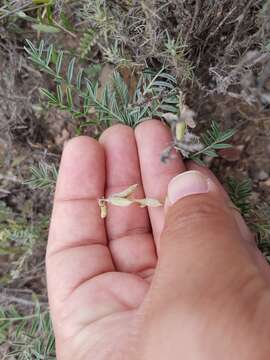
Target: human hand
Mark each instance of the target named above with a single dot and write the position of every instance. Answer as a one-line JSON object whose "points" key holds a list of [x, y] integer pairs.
{"points": [[131, 287]]}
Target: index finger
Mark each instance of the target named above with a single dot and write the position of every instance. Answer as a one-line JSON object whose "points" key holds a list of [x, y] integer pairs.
{"points": [[77, 247]]}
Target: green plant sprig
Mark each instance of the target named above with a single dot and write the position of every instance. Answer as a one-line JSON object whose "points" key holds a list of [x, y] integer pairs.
{"points": [[126, 198], [33, 334], [43, 176], [212, 140], [257, 220], [239, 192], [154, 94]]}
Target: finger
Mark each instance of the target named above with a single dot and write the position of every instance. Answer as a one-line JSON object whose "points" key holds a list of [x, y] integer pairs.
{"points": [[246, 233], [204, 266], [200, 238], [128, 228], [77, 248], [191, 165], [153, 138]]}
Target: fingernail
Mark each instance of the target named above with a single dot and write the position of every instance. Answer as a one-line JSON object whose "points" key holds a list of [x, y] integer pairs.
{"points": [[186, 184]]}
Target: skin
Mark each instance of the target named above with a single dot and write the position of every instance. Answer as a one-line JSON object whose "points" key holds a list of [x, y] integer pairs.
{"points": [[146, 284]]}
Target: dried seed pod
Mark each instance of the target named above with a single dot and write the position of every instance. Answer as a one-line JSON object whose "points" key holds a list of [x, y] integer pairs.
{"points": [[119, 201], [187, 115], [149, 202], [180, 130], [125, 193], [103, 208], [103, 211]]}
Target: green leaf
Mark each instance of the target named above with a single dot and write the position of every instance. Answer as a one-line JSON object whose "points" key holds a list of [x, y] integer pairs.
{"points": [[59, 60], [169, 108], [121, 90], [163, 84], [210, 152], [41, 48], [59, 94], [168, 77], [221, 146], [86, 104], [43, 176], [197, 160], [227, 135], [23, 16], [69, 98], [42, 2], [45, 28], [52, 98], [70, 70], [49, 54], [240, 192], [88, 123], [31, 45], [79, 79]]}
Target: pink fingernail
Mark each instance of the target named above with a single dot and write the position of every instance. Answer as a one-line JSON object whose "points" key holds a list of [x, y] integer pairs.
{"points": [[186, 184]]}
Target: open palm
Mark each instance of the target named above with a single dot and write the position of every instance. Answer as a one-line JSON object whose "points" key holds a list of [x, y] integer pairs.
{"points": [[99, 271]]}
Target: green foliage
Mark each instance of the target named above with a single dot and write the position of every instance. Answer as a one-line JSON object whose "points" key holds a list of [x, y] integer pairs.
{"points": [[100, 25], [30, 336], [87, 41], [43, 176], [45, 28], [5, 212], [213, 139], [256, 218], [155, 92], [114, 54], [98, 17], [261, 227], [39, 14], [176, 50], [239, 192], [19, 239], [176, 46]]}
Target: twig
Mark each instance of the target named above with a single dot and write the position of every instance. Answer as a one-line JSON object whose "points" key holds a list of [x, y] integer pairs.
{"points": [[10, 178], [64, 29], [14, 98], [22, 8], [218, 27], [4, 191], [196, 12], [240, 21], [27, 317], [4, 298]]}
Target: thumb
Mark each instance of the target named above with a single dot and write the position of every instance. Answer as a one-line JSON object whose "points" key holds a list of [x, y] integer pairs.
{"points": [[207, 282], [204, 241]]}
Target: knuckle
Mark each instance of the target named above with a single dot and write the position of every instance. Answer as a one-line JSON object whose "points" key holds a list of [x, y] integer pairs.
{"points": [[194, 213], [114, 130]]}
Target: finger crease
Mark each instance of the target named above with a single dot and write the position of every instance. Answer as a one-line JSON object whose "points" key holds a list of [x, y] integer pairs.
{"points": [[85, 280], [130, 232], [63, 200], [87, 242]]}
